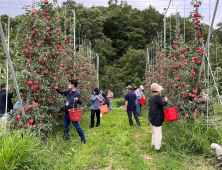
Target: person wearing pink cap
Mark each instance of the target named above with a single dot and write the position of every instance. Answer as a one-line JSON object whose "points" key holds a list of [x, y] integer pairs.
{"points": [[156, 115]]}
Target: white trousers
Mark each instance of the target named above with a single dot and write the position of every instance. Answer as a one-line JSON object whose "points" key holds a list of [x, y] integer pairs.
{"points": [[156, 136]]}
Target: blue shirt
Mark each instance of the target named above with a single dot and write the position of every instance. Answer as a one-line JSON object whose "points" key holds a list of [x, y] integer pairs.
{"points": [[16, 106], [130, 97], [138, 94], [95, 103]]}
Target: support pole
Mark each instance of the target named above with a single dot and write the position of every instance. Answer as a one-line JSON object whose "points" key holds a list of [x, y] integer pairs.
{"points": [[164, 26], [208, 72], [184, 20], [74, 35], [216, 63], [214, 81], [153, 55], [7, 72], [82, 43], [176, 18], [74, 32], [147, 58], [170, 33], [151, 59], [158, 41], [65, 21], [207, 43], [12, 69], [161, 39], [70, 22], [79, 36], [90, 50], [97, 68]]}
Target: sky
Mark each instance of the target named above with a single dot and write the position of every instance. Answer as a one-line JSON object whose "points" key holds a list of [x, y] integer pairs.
{"points": [[182, 6]]}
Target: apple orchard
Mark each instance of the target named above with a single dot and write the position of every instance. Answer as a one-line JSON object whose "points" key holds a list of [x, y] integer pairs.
{"points": [[177, 70], [46, 60]]}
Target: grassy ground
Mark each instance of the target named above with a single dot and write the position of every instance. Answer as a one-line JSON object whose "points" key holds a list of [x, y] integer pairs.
{"points": [[116, 145]]}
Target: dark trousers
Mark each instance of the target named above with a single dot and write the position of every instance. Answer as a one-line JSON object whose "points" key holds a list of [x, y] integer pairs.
{"points": [[93, 112], [129, 112], [75, 123]]}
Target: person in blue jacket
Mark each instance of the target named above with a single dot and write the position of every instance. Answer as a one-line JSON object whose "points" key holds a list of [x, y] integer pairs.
{"points": [[96, 98], [73, 98]]}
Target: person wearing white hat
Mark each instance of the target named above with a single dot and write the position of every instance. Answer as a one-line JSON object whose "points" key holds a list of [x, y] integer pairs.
{"points": [[156, 115], [139, 95]]}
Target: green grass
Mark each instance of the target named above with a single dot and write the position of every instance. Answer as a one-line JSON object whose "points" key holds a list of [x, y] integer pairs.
{"points": [[116, 145], [119, 102]]}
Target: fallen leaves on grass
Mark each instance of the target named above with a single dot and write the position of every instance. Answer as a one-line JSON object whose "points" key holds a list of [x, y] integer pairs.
{"points": [[147, 158]]}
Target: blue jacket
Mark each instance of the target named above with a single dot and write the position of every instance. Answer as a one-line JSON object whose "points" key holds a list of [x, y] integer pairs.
{"points": [[16, 106], [95, 103], [70, 97]]}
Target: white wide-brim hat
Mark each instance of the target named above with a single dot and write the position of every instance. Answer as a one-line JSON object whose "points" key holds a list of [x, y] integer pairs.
{"points": [[156, 87]]}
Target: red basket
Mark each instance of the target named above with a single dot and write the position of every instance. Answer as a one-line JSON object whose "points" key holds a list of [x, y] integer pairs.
{"points": [[104, 109], [75, 114], [171, 114], [142, 101]]}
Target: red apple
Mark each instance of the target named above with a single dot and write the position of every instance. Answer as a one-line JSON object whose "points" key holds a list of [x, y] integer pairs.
{"points": [[30, 83], [198, 62], [33, 12], [19, 116], [31, 121]]}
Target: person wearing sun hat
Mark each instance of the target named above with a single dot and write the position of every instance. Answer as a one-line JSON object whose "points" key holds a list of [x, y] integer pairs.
{"points": [[130, 104], [139, 95], [156, 115]]}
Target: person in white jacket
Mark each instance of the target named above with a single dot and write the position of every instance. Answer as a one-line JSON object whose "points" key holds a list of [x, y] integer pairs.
{"points": [[139, 95]]}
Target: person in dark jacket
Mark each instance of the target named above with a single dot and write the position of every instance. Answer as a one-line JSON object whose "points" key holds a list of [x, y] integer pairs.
{"points": [[104, 96], [130, 105], [73, 98], [3, 100], [156, 115]]}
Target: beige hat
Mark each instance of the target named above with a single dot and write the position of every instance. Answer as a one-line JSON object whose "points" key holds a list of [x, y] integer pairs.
{"points": [[156, 87]]}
